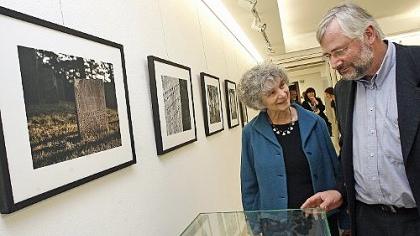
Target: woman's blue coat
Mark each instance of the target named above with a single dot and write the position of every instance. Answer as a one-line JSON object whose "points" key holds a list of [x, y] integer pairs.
{"points": [[263, 173]]}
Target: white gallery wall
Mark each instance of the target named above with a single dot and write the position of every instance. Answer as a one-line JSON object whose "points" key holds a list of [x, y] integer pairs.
{"points": [[160, 195]]}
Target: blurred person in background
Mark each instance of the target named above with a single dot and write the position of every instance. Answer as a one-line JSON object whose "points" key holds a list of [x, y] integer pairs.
{"points": [[314, 104]]}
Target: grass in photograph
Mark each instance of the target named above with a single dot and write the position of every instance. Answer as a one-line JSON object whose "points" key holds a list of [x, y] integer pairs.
{"points": [[54, 135]]}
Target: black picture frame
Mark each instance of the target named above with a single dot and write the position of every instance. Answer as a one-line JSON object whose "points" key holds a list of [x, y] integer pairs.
{"points": [[50, 141], [212, 104], [244, 113], [232, 108], [172, 104]]}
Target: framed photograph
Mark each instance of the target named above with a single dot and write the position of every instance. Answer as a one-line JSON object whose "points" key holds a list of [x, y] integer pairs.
{"points": [[212, 103], [232, 108], [65, 116], [172, 104], [244, 113]]}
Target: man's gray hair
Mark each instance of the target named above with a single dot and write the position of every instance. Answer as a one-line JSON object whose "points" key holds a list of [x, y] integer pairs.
{"points": [[259, 80], [352, 19]]}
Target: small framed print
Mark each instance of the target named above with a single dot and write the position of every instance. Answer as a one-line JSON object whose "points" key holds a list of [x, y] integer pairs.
{"points": [[231, 104], [65, 116], [212, 103], [244, 113], [172, 104]]}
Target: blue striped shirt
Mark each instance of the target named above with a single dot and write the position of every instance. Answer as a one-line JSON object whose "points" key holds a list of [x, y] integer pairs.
{"points": [[379, 171]]}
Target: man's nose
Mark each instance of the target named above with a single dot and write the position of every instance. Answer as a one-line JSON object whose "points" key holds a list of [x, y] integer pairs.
{"points": [[335, 62]]}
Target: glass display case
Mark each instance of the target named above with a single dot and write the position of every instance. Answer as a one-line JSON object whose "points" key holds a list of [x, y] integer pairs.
{"points": [[265, 223]]}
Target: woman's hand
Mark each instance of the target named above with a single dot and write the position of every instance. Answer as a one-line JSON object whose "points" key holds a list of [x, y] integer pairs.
{"points": [[313, 101], [326, 200]]}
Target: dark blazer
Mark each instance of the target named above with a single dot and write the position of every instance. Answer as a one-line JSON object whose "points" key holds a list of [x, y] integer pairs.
{"points": [[408, 95]]}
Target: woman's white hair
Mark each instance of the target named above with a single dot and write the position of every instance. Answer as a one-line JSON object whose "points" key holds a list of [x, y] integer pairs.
{"points": [[258, 81], [352, 19]]}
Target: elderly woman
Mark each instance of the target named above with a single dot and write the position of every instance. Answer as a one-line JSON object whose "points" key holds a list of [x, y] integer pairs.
{"points": [[287, 153]]}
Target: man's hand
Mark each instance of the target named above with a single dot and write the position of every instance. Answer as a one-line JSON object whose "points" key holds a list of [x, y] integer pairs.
{"points": [[326, 200]]}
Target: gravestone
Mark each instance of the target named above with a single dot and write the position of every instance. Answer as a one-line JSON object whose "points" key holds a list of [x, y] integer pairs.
{"points": [[91, 107], [173, 104]]}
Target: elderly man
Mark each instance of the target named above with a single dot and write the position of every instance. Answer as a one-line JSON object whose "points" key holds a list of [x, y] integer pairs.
{"points": [[379, 122]]}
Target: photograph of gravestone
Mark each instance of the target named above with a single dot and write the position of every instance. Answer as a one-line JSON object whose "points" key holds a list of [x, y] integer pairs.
{"points": [[213, 103], [177, 110], [172, 104], [70, 104], [65, 111], [232, 104]]}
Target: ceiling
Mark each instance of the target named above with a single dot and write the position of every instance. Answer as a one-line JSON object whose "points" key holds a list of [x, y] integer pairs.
{"points": [[291, 24]]}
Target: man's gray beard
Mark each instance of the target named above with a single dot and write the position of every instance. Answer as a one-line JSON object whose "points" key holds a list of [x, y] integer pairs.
{"points": [[362, 65]]}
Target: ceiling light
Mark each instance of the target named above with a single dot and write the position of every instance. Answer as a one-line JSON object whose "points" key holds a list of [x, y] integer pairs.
{"points": [[219, 10], [259, 26], [247, 4]]}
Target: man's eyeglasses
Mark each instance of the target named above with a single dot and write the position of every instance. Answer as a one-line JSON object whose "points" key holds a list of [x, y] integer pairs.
{"points": [[337, 53]]}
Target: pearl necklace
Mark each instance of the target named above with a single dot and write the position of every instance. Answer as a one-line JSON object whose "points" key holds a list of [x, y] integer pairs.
{"points": [[286, 131]]}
